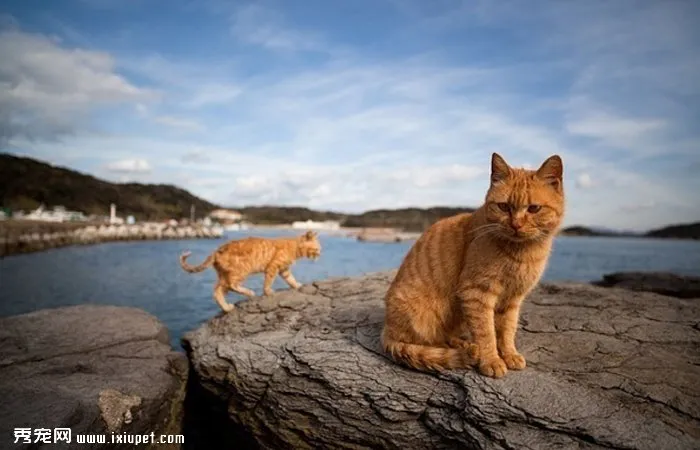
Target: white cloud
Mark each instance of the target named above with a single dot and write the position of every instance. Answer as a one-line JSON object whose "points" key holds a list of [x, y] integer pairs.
{"points": [[430, 176], [197, 155], [48, 91], [179, 122], [129, 166], [354, 131], [636, 207], [584, 181], [615, 131], [353, 190], [213, 94], [259, 25], [141, 109]]}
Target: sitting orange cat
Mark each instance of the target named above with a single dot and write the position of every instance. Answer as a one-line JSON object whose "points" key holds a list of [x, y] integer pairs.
{"points": [[237, 259], [455, 300]]}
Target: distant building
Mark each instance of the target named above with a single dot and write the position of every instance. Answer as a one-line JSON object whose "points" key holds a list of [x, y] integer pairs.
{"points": [[225, 216], [113, 218], [313, 225], [57, 214]]}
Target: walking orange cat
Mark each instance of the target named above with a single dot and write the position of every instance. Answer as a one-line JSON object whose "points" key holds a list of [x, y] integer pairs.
{"points": [[455, 301], [235, 260]]}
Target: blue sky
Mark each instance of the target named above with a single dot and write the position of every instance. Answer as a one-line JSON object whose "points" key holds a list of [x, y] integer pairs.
{"points": [[357, 104]]}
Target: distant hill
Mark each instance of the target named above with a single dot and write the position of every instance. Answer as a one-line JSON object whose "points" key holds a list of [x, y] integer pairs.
{"points": [[681, 231], [25, 183], [286, 214], [408, 219], [578, 230]]}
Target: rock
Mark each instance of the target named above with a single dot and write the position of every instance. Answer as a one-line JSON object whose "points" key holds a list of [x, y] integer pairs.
{"points": [[369, 237], [115, 408], [606, 369], [384, 235], [93, 369], [673, 285]]}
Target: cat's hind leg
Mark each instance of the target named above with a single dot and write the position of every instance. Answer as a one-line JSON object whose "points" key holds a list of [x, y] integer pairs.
{"points": [[271, 272], [459, 342], [416, 336], [287, 276], [240, 289], [236, 285], [220, 296]]}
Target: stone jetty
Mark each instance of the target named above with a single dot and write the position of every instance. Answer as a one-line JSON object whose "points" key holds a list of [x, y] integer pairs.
{"points": [[32, 238], [384, 235]]}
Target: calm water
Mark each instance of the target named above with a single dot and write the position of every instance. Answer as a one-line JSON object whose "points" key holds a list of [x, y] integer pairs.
{"points": [[148, 275]]}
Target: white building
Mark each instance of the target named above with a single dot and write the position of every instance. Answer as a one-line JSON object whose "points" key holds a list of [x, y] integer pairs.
{"points": [[226, 215], [313, 225], [57, 214], [113, 218]]}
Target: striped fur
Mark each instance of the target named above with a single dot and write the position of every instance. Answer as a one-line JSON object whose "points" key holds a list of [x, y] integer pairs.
{"points": [[235, 260], [455, 300]]}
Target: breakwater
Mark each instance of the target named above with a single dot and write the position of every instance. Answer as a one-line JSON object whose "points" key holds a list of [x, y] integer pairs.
{"points": [[384, 235], [27, 237]]}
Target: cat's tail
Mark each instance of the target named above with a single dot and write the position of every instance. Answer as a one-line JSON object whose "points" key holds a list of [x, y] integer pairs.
{"points": [[427, 358], [194, 269]]}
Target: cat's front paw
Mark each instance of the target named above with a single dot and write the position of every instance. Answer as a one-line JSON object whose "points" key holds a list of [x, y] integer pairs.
{"points": [[228, 307], [268, 291], [514, 361], [494, 368]]}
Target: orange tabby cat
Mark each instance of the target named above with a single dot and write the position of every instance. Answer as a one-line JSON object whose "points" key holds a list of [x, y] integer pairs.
{"points": [[455, 300], [235, 260]]}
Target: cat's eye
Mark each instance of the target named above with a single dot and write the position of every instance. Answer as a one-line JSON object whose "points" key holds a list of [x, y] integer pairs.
{"points": [[532, 209], [503, 206]]}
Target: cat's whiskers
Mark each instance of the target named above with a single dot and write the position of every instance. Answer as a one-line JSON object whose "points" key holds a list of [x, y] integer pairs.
{"points": [[484, 227], [488, 232]]}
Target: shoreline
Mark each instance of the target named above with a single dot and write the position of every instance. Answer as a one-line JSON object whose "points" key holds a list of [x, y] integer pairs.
{"points": [[361, 234], [18, 238]]}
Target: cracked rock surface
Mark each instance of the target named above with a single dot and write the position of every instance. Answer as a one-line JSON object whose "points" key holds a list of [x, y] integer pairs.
{"points": [[607, 368], [94, 369]]}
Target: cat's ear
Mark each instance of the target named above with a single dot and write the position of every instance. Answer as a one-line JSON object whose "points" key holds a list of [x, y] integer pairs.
{"points": [[499, 168], [552, 171], [309, 235]]}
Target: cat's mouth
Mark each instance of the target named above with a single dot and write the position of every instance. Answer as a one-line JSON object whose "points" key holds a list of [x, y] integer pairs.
{"points": [[520, 235]]}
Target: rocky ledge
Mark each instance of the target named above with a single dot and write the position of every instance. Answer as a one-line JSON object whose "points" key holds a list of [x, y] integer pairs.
{"points": [[93, 369], [607, 368], [673, 285]]}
